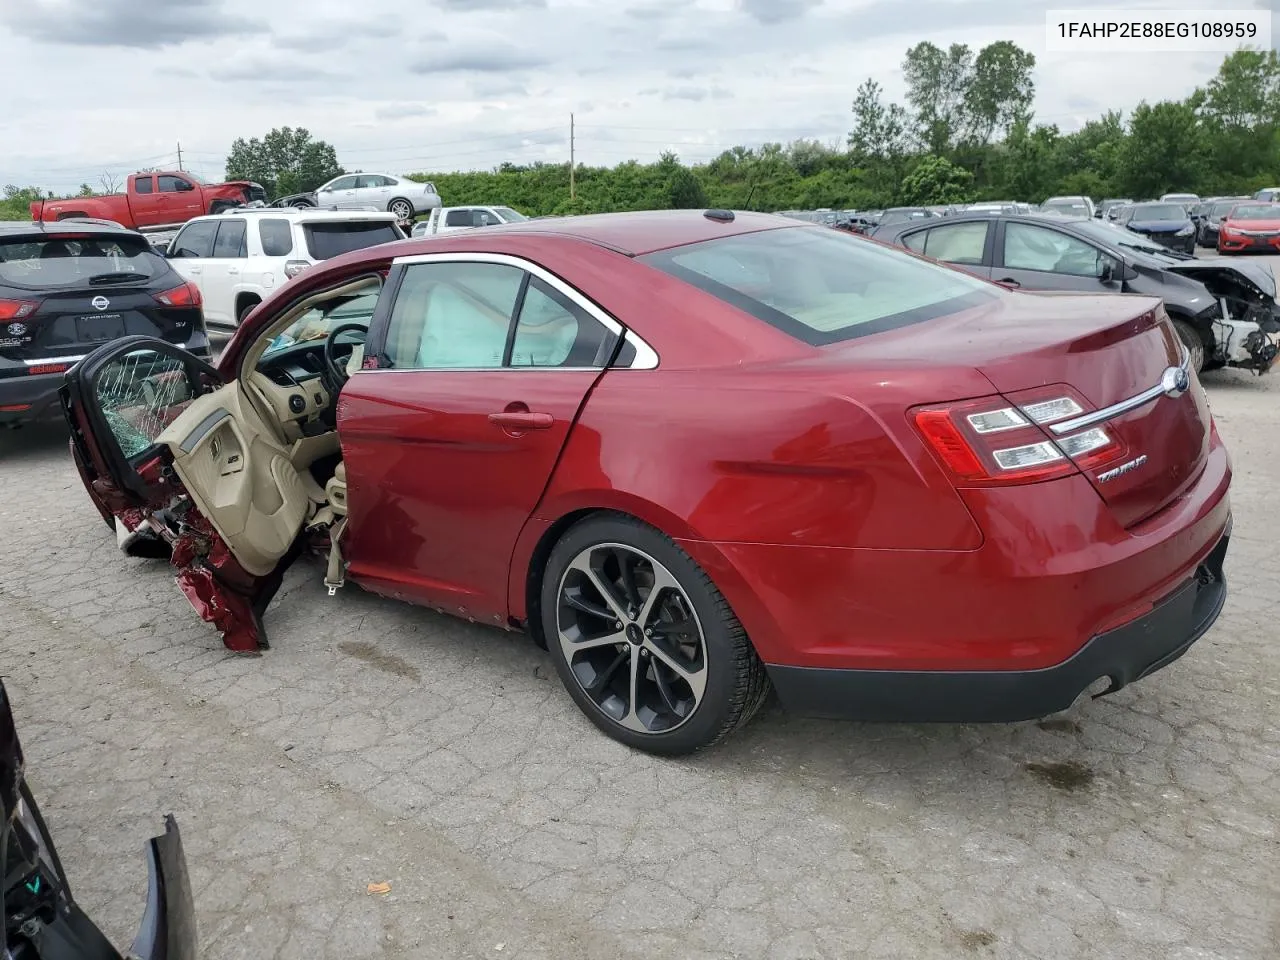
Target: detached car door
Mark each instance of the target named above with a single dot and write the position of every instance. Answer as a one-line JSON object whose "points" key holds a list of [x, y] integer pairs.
{"points": [[175, 462], [474, 375]]}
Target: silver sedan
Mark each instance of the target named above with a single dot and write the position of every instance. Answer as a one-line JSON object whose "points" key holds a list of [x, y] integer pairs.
{"points": [[378, 191]]}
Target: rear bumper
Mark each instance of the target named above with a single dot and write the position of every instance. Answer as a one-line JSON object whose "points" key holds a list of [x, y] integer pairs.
{"points": [[1122, 655], [29, 399]]}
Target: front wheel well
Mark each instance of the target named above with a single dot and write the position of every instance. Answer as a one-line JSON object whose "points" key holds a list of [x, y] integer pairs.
{"points": [[245, 302]]}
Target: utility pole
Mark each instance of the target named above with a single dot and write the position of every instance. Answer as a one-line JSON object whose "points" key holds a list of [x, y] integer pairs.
{"points": [[179, 155], [573, 191]]}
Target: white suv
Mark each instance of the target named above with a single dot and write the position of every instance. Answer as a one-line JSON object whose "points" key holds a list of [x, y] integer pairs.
{"points": [[239, 257]]}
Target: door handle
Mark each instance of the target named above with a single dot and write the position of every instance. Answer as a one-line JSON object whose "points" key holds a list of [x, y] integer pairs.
{"points": [[1009, 282], [522, 420], [234, 270]]}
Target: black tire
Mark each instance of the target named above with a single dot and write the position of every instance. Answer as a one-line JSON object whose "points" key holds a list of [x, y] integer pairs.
{"points": [[244, 308], [735, 682], [302, 204], [402, 208], [1194, 343]]}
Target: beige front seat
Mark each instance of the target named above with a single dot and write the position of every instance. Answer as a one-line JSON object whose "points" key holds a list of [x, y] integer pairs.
{"points": [[336, 491]]}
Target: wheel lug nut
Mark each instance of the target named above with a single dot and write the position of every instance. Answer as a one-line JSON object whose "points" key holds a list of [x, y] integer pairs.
{"points": [[618, 625], [649, 632]]}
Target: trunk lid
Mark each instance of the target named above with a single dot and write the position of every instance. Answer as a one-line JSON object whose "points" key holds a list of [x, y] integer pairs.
{"points": [[75, 322], [1101, 351]]}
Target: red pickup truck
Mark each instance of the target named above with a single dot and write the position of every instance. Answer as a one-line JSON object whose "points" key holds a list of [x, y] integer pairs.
{"points": [[163, 199]]}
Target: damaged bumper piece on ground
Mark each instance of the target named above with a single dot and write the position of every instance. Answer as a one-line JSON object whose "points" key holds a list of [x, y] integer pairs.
{"points": [[42, 921]]}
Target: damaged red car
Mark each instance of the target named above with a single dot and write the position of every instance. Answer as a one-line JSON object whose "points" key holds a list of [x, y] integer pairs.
{"points": [[695, 456]]}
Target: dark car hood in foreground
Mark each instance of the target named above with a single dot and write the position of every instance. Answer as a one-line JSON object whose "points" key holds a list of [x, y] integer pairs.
{"points": [[1158, 226]]}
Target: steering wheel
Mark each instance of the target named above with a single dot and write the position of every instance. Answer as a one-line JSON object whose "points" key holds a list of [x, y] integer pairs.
{"points": [[335, 369]]}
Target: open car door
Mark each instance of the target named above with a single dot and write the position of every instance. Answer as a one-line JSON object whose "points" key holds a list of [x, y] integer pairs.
{"points": [[183, 466]]}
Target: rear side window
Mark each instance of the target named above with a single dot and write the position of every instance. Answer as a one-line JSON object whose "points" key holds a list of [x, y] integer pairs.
{"points": [[231, 240], [195, 240], [957, 242], [142, 185], [459, 218], [325, 240], [276, 237], [553, 331], [92, 261], [819, 285]]}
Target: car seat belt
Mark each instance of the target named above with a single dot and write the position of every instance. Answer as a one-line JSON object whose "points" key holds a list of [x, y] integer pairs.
{"points": [[335, 574]]}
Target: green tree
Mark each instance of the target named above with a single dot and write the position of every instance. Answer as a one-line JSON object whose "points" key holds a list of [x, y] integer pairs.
{"points": [[938, 82], [936, 180], [1240, 108], [1165, 150], [685, 191], [287, 160], [999, 92]]}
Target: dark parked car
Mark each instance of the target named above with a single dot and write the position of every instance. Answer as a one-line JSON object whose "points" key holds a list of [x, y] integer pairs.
{"points": [[42, 920], [1040, 252], [899, 214], [1107, 206], [1168, 224], [695, 454], [1211, 216], [67, 288]]}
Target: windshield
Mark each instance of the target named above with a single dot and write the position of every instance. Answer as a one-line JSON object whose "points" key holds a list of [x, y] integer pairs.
{"points": [[1117, 236], [1256, 211], [509, 215], [325, 240], [821, 286], [78, 260], [1221, 209], [1159, 211], [315, 325]]}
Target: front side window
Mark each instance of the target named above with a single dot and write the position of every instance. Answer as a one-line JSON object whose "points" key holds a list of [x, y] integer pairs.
{"points": [[173, 184], [316, 324], [276, 237], [1028, 247], [195, 240], [819, 285], [140, 394], [459, 218], [453, 315], [231, 239]]}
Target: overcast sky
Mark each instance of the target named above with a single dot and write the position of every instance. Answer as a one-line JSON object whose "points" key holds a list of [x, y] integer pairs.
{"points": [[110, 85]]}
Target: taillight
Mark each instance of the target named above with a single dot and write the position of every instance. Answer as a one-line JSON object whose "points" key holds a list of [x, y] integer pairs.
{"points": [[187, 295], [991, 441], [17, 309]]}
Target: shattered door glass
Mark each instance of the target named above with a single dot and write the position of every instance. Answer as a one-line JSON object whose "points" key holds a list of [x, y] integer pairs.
{"points": [[140, 394]]}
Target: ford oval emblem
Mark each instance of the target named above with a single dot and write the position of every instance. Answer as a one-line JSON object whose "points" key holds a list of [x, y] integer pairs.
{"points": [[100, 303], [1175, 382]]}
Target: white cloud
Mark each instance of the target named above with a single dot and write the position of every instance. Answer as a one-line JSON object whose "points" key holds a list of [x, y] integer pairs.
{"points": [[470, 83]]}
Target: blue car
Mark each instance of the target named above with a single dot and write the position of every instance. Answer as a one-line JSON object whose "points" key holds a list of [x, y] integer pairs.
{"points": [[1168, 224]]}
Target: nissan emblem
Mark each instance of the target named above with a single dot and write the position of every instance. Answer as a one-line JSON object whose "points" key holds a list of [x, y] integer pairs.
{"points": [[100, 303], [17, 329]]}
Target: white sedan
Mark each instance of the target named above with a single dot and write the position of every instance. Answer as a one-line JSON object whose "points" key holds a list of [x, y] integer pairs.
{"points": [[378, 191]]}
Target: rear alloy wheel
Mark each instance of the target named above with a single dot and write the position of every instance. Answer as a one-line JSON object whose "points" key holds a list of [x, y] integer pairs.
{"points": [[403, 210], [1191, 340], [644, 642]]}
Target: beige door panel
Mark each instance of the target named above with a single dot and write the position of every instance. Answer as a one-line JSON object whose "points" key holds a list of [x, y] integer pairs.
{"points": [[239, 477]]}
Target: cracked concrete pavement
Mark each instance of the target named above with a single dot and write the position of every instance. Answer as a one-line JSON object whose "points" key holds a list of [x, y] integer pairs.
{"points": [[376, 742]]}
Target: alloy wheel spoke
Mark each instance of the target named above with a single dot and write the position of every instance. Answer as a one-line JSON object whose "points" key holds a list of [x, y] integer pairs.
{"points": [[627, 567], [606, 675], [664, 689], [608, 640], [583, 565], [695, 678], [662, 582], [632, 719], [579, 602]]}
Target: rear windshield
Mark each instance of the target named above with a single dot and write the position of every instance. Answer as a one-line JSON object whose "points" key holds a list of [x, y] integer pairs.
{"points": [[821, 286], [1159, 211], [1256, 211], [77, 260], [325, 240]]}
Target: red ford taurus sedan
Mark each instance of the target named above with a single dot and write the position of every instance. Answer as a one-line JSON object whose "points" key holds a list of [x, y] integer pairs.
{"points": [[694, 455]]}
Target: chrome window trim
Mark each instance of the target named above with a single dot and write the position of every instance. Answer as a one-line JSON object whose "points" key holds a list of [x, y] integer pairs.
{"points": [[1123, 407], [48, 361], [646, 357]]}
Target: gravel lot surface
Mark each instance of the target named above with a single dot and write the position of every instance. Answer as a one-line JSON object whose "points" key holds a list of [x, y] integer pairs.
{"points": [[376, 742]]}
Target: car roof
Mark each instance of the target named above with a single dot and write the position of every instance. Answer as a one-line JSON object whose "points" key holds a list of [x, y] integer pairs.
{"points": [[33, 229], [638, 233], [308, 216]]}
